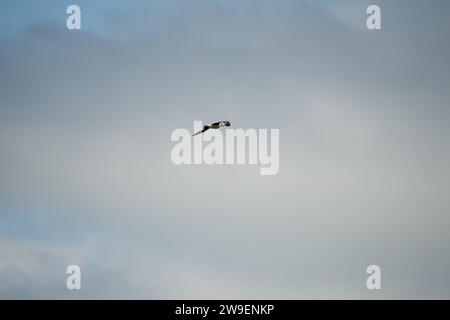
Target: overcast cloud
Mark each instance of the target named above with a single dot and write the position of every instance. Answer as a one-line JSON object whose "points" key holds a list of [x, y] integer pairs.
{"points": [[86, 176]]}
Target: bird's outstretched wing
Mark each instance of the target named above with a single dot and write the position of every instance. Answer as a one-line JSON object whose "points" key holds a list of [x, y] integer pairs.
{"points": [[201, 131]]}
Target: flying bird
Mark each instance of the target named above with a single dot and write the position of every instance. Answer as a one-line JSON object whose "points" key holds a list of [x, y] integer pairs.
{"points": [[215, 125]]}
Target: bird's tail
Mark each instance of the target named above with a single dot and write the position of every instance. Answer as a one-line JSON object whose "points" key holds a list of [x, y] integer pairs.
{"points": [[201, 131]]}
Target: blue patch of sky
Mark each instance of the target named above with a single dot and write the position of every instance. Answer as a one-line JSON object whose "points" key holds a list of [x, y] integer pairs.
{"points": [[98, 16]]}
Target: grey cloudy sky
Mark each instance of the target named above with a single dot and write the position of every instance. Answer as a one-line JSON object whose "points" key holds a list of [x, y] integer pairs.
{"points": [[86, 175]]}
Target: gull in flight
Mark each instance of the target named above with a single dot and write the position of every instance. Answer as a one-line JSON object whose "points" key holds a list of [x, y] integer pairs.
{"points": [[215, 125]]}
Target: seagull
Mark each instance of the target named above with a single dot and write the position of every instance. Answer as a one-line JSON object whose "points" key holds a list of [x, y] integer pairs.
{"points": [[215, 125]]}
